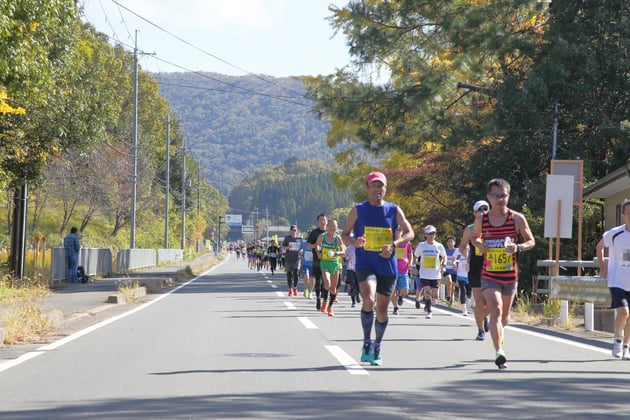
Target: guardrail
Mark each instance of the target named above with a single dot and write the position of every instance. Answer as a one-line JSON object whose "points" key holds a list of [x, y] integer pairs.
{"points": [[589, 290], [94, 261]]}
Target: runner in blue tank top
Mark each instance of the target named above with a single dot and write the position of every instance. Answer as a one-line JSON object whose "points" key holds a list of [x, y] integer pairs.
{"points": [[373, 223]]}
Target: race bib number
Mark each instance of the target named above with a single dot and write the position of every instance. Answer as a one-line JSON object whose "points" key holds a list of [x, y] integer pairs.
{"points": [[429, 261], [308, 255], [376, 238], [478, 252], [294, 246], [401, 253], [498, 260], [624, 258]]}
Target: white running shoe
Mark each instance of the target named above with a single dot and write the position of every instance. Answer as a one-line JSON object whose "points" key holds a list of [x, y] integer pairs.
{"points": [[429, 315], [616, 350], [626, 353]]}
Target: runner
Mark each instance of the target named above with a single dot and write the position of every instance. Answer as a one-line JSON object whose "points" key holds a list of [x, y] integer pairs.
{"points": [[320, 292], [373, 222], [450, 274], [498, 235], [307, 269], [404, 256], [475, 264], [331, 247], [292, 245], [431, 257]]}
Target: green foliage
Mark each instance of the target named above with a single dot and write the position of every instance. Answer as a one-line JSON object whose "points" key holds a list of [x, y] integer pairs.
{"points": [[296, 190], [237, 125]]}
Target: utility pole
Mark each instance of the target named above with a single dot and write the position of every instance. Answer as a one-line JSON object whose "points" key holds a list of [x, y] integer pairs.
{"points": [[134, 147], [267, 222], [555, 130], [183, 239], [18, 231], [219, 237], [168, 178], [199, 189]]}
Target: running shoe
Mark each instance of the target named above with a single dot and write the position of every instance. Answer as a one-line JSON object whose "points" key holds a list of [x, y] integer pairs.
{"points": [[400, 300], [330, 311], [395, 311], [429, 315], [616, 351], [481, 335], [367, 352], [449, 301], [417, 304], [295, 291], [324, 305], [486, 324], [626, 353], [464, 312], [377, 360], [354, 305], [290, 292], [305, 294], [500, 359]]}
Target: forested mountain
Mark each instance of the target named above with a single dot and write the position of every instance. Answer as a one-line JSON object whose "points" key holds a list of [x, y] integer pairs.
{"points": [[237, 125], [296, 190]]}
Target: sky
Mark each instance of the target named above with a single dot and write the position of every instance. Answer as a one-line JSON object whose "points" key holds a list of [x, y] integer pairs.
{"points": [[235, 37]]}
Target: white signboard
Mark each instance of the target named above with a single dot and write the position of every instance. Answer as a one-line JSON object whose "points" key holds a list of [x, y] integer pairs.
{"points": [[233, 219], [559, 188], [247, 229]]}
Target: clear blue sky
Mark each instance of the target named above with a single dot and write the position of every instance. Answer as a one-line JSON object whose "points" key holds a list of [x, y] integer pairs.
{"points": [[272, 37]]}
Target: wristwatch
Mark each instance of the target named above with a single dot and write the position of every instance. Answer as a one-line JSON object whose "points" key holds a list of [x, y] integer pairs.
{"points": [[520, 248]]}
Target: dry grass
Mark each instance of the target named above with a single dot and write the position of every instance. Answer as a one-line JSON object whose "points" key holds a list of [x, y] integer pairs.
{"points": [[130, 292]]}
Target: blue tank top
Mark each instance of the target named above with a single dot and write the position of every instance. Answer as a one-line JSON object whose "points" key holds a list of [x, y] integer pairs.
{"points": [[377, 224]]}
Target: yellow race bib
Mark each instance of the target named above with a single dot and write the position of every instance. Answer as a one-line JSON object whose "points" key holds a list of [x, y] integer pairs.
{"points": [[376, 238], [429, 261], [499, 260]]}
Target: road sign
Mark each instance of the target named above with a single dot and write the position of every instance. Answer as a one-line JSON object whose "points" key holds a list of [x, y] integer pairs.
{"points": [[247, 229]]}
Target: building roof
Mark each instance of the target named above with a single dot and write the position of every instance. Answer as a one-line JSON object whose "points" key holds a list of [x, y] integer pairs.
{"points": [[611, 184]]}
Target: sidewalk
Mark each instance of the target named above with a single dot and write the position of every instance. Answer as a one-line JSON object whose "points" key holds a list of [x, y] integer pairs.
{"points": [[75, 298]]}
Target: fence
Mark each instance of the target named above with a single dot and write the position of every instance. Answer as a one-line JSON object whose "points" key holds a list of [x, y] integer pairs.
{"points": [[94, 261], [589, 290]]}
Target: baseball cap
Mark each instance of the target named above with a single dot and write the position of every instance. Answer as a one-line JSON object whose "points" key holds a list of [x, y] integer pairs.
{"points": [[430, 229], [376, 176], [293, 227], [480, 203]]}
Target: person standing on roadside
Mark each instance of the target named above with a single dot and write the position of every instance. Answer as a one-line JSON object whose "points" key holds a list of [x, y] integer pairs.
{"points": [[320, 292], [498, 235], [475, 264], [292, 246], [431, 257], [372, 224], [72, 246], [617, 272]]}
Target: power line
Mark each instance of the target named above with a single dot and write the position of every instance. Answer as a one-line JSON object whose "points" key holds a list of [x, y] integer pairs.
{"points": [[202, 50]]}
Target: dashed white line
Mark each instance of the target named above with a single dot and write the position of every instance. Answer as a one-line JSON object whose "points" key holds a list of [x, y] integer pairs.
{"points": [[346, 361], [307, 323]]}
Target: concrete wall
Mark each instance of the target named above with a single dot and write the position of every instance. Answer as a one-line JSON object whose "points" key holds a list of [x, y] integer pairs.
{"points": [[94, 261]]}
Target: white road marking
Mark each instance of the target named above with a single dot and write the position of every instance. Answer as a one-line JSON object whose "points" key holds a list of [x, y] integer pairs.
{"points": [[346, 361], [280, 294], [307, 323], [52, 346], [289, 305]]}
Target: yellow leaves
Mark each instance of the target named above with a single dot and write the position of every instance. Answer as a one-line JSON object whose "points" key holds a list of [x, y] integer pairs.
{"points": [[5, 108]]}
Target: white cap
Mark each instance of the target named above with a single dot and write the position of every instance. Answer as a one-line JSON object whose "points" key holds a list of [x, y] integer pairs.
{"points": [[430, 229], [480, 203]]}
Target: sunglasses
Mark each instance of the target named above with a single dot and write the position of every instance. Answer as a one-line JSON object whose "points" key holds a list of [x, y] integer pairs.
{"points": [[482, 209], [499, 196], [431, 233]]}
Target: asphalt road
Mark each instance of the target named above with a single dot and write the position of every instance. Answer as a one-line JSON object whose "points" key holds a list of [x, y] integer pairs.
{"points": [[231, 344]]}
